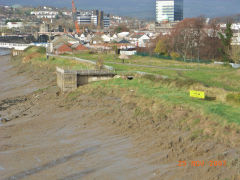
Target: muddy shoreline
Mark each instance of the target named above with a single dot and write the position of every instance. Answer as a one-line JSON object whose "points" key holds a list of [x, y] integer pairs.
{"points": [[93, 136]]}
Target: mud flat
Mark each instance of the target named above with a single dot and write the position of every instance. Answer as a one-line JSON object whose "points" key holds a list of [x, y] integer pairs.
{"points": [[95, 136], [44, 140], [11, 83]]}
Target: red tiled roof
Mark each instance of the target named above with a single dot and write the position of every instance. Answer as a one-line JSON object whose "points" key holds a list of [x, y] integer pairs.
{"points": [[64, 48], [80, 47]]}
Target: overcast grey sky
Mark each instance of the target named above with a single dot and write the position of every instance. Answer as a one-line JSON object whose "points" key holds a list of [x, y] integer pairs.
{"points": [[141, 8]]}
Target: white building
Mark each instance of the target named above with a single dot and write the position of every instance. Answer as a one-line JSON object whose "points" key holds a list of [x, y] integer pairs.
{"points": [[45, 14], [169, 10], [11, 25], [139, 39], [106, 38], [235, 26], [67, 13]]}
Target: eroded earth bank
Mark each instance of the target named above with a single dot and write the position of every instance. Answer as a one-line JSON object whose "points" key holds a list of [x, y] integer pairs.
{"points": [[94, 134]]}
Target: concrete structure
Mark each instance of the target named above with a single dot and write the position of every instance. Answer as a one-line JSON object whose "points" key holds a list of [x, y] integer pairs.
{"points": [[169, 10], [16, 52], [68, 80]]}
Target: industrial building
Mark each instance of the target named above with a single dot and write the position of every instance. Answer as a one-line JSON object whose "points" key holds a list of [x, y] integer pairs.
{"points": [[169, 10]]}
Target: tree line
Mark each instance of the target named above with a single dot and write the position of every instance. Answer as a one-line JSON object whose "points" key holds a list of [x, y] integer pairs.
{"points": [[193, 38]]}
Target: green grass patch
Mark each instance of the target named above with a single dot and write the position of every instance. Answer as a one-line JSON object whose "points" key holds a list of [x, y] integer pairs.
{"points": [[220, 112], [209, 75], [38, 54], [234, 98]]}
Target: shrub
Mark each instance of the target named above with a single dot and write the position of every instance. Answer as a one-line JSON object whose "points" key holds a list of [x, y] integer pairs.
{"points": [[161, 48], [92, 52], [41, 50], [175, 55], [235, 98], [28, 48], [100, 64]]}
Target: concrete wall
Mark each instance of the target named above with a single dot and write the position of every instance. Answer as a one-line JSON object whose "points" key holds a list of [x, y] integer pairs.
{"points": [[70, 80], [66, 81], [16, 52], [81, 80]]}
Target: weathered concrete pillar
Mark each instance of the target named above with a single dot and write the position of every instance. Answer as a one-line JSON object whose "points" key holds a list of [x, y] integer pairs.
{"points": [[70, 81], [66, 80]]}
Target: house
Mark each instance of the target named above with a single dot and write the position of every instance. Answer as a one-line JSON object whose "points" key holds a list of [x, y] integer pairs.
{"points": [[124, 41], [106, 38], [62, 48], [114, 37], [139, 39], [65, 39], [82, 38], [97, 39], [79, 47], [88, 38], [123, 34]]}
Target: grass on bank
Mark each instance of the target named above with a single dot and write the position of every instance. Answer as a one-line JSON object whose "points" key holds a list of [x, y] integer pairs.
{"points": [[209, 75], [175, 90], [37, 55], [173, 95]]}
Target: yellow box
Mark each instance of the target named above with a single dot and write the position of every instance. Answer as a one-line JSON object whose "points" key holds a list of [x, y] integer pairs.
{"points": [[197, 94]]}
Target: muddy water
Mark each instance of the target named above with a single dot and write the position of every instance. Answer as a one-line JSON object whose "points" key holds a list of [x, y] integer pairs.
{"points": [[11, 83], [52, 142]]}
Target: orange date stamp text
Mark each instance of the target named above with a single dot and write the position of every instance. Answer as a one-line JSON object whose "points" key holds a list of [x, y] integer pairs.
{"points": [[202, 163]]}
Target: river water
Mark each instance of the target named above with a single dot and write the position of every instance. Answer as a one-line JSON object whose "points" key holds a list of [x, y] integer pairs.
{"points": [[4, 52]]}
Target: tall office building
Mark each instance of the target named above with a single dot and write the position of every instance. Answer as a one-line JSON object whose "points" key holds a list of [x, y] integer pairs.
{"points": [[96, 18], [169, 10]]}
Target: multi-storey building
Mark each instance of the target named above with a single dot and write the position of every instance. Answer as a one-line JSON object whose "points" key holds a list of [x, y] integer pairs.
{"points": [[96, 18], [169, 10]]}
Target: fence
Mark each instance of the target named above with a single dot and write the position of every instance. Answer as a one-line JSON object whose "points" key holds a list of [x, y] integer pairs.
{"points": [[170, 58]]}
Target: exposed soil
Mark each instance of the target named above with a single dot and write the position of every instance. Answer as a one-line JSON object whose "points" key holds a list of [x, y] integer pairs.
{"points": [[95, 135]]}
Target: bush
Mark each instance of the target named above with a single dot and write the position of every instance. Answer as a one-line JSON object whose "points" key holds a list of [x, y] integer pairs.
{"points": [[92, 52], [175, 55], [28, 48], [41, 50], [235, 98]]}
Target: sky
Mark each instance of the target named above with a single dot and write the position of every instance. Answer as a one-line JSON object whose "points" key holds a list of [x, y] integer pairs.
{"points": [[141, 8]]}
